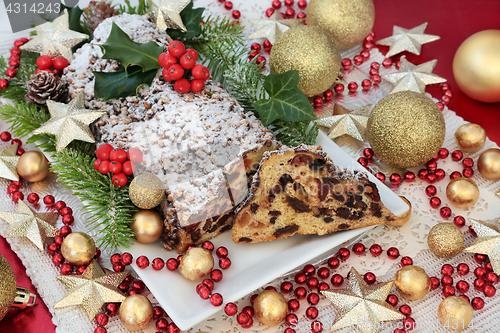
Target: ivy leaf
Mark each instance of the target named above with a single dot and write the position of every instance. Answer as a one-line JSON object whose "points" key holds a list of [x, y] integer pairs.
{"points": [[109, 85], [287, 102], [191, 19], [121, 48]]}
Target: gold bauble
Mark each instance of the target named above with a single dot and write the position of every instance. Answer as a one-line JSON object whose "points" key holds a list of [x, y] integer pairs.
{"points": [[412, 282], [406, 129], [476, 66], [270, 307], [196, 264], [445, 240], [488, 164], [78, 248], [311, 51], [403, 218], [462, 192], [147, 226], [455, 312], [146, 191], [136, 312], [33, 166], [470, 137], [348, 22]]}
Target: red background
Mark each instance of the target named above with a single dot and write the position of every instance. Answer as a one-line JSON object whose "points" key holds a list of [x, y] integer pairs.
{"points": [[453, 20]]}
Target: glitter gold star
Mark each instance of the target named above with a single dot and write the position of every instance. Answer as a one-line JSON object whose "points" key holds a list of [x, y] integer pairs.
{"points": [[92, 289], [362, 305], [8, 162], [487, 242], [55, 39], [410, 40], [166, 13], [351, 123], [273, 27], [69, 122], [34, 226]]}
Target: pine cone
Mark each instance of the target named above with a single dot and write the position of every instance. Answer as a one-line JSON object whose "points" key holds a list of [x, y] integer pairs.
{"points": [[44, 86], [98, 12]]}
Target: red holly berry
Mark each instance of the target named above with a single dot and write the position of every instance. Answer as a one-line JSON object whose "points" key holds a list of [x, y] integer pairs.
{"points": [[199, 72], [104, 167], [193, 53], [104, 151], [115, 167], [166, 75], [175, 72], [197, 85], [187, 61], [60, 63], [182, 86], [176, 48], [166, 60], [44, 62], [128, 168], [119, 179], [118, 155]]}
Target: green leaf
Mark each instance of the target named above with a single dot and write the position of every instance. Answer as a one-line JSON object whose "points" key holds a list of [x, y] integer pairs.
{"points": [[121, 48], [191, 19], [286, 102], [109, 85]]}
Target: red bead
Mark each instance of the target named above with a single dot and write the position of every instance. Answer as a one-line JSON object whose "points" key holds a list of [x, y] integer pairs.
{"points": [[435, 202], [357, 60], [479, 258], [399, 330], [158, 264], [346, 64], [267, 45], [172, 264], [449, 93], [313, 298], [18, 183], [236, 14], [289, 330], [293, 305], [468, 172], [300, 278], [243, 318], [261, 61], [465, 297], [405, 309], [224, 263], [222, 252], [161, 324], [124, 286], [462, 286], [430, 190], [269, 12], [445, 87], [172, 328], [366, 84], [409, 323], [368, 153], [158, 312], [376, 79], [380, 176], [479, 284], [16, 196], [443, 153], [489, 291], [387, 62], [395, 179], [14, 63], [409, 177], [59, 205], [228, 5], [64, 231], [203, 291], [290, 13], [11, 72], [289, 3], [102, 319], [365, 54], [316, 327], [100, 329], [405, 261], [312, 282], [463, 269], [491, 278], [328, 95], [447, 280], [302, 4], [66, 269], [300, 292], [4, 84], [66, 211], [216, 299], [434, 282], [392, 300], [339, 88], [312, 312], [480, 272], [445, 212], [393, 253], [276, 4], [488, 267], [448, 291], [431, 178], [363, 161], [286, 287], [440, 174], [445, 99], [57, 259], [423, 173], [370, 278], [58, 240], [477, 303], [255, 47], [457, 155], [142, 262], [115, 259], [129, 278], [231, 309], [468, 162], [270, 288], [447, 269], [15, 50], [352, 87], [372, 72], [112, 309], [358, 248], [375, 250], [12, 188], [119, 268], [5, 136], [126, 259], [33, 198], [208, 246], [323, 286], [337, 280], [291, 319], [309, 270], [318, 101], [333, 263], [455, 174], [48, 200], [20, 151], [301, 15], [471, 230], [398, 64], [344, 253], [209, 283], [216, 275]]}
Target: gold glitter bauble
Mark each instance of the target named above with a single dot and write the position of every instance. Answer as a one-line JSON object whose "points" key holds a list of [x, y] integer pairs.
{"points": [[348, 22], [445, 240], [196, 264], [270, 307], [403, 218], [33, 166], [147, 226], [412, 282], [136, 312], [462, 192], [146, 191], [78, 248], [311, 51], [7, 286], [455, 312], [470, 137], [476, 66], [488, 164], [406, 129]]}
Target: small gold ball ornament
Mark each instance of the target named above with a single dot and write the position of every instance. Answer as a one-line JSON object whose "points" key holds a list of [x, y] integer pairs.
{"points": [[312, 52], [462, 192], [445, 240], [348, 22], [78, 248], [196, 264], [470, 137], [146, 191], [136, 312], [455, 312], [147, 226], [406, 129], [270, 307], [476, 66], [412, 282], [488, 164], [403, 218], [33, 166]]}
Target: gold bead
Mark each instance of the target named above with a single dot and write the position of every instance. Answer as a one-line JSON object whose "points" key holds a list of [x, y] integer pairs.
{"points": [[146, 191], [462, 192], [470, 137], [33, 166], [270, 307], [147, 226], [136, 312], [488, 164], [445, 240], [412, 282], [78, 248], [455, 312], [196, 264], [403, 218]]}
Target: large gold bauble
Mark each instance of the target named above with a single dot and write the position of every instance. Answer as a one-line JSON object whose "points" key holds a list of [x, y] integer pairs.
{"points": [[147, 226], [136, 312], [33, 166], [348, 22], [311, 51], [196, 264], [476, 66], [412, 282], [146, 191], [406, 129], [270, 307], [462, 192], [488, 164], [445, 240], [78, 248], [455, 312], [403, 218], [470, 137]]}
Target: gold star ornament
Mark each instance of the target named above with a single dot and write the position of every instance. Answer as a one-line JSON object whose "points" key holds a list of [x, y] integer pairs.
{"points": [[69, 122], [351, 123], [8, 163], [410, 40], [55, 39], [487, 242], [273, 27], [92, 289], [362, 305], [166, 13], [34, 226]]}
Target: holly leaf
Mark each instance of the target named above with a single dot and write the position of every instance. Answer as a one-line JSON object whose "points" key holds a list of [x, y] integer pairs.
{"points": [[121, 48], [287, 102], [191, 19], [109, 85]]}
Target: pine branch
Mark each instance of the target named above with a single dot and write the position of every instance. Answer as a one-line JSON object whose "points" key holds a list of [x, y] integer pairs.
{"points": [[17, 85], [140, 9], [295, 133]]}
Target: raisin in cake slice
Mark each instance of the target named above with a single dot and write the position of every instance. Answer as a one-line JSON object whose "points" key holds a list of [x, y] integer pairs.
{"points": [[301, 191]]}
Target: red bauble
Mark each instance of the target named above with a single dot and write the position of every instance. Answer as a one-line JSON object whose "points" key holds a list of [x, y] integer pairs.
{"points": [[222, 252], [370, 278], [209, 283], [203, 291], [375, 250], [430, 190], [447, 269], [58, 240], [312, 282], [431, 178], [302, 4], [44, 62], [161, 324], [228, 5], [224, 263], [447, 280], [269, 12], [323, 273], [216, 275], [459, 221], [387, 62], [172, 328], [158, 264], [376, 79], [392, 300], [300, 292], [368, 153], [434, 282], [208, 246], [480, 272], [119, 268], [346, 64], [435, 202], [468, 162], [312, 312], [405, 309], [115, 259], [431, 165], [323, 286], [333, 263], [231, 309], [363, 161], [477, 303], [423, 173], [462, 286], [243, 319], [59, 205], [440, 174], [456, 155], [489, 291], [365, 54], [64, 231], [313, 298], [337, 280], [289, 3], [53, 248], [344, 253], [216, 299], [291, 319], [358, 248], [14, 63], [405, 261], [57, 259], [393, 253], [286, 287], [300, 278], [142, 262], [445, 212]]}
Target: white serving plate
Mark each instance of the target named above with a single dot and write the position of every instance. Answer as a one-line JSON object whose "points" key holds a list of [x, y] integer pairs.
{"points": [[253, 265]]}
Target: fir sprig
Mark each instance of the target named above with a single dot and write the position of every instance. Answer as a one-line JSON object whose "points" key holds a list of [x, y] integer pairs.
{"points": [[140, 9], [17, 85], [295, 133]]}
